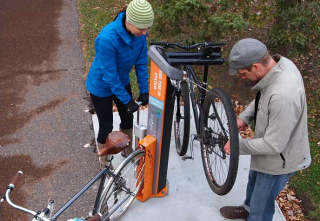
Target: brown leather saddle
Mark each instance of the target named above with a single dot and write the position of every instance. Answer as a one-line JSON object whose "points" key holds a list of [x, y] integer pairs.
{"points": [[115, 143]]}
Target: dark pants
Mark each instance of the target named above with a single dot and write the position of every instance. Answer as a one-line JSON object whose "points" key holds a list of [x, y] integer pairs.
{"points": [[103, 107]]}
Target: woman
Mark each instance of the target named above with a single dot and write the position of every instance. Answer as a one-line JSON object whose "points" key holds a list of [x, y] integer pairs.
{"points": [[120, 46]]}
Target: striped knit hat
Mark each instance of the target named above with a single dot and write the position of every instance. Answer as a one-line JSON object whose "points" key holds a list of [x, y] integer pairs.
{"points": [[140, 14]]}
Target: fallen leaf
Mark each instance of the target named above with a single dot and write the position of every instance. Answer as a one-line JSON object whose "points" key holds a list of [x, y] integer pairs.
{"points": [[290, 197], [290, 212]]}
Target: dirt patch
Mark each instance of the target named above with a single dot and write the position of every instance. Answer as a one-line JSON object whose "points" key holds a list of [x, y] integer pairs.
{"points": [[32, 173], [29, 40]]}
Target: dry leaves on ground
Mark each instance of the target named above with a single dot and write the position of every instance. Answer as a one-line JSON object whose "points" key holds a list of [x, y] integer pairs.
{"points": [[289, 204]]}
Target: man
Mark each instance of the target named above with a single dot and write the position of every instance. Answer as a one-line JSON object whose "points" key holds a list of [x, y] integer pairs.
{"points": [[280, 146]]}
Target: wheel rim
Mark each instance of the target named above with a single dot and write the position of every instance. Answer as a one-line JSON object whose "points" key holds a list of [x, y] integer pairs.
{"points": [[179, 125], [132, 176]]}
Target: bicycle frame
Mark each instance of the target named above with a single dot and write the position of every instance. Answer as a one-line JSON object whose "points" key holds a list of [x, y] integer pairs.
{"points": [[192, 76]]}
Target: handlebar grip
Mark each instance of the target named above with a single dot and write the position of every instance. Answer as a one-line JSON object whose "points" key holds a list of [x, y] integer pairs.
{"points": [[216, 43], [16, 178], [96, 217], [158, 43]]}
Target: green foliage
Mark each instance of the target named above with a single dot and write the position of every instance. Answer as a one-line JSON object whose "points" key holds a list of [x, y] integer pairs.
{"points": [[172, 17], [197, 20], [223, 23], [296, 28], [95, 14]]}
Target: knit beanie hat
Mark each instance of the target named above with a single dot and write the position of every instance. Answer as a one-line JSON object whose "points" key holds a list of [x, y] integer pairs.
{"points": [[140, 14]]}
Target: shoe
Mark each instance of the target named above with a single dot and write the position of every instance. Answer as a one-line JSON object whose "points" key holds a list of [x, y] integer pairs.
{"points": [[234, 212]]}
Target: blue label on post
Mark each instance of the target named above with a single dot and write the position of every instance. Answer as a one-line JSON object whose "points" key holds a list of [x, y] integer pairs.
{"points": [[156, 102]]}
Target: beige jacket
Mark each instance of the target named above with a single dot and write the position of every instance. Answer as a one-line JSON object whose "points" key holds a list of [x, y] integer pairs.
{"points": [[282, 123]]}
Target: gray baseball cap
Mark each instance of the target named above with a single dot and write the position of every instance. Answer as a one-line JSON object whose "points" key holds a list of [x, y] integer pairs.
{"points": [[245, 53]]}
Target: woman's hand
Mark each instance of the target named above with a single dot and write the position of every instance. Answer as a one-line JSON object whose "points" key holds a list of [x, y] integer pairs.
{"points": [[132, 107], [144, 98]]}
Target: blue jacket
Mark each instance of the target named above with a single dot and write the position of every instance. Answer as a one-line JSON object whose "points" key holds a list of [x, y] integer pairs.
{"points": [[116, 53]]}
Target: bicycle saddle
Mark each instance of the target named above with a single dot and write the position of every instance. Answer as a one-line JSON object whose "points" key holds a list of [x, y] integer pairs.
{"points": [[115, 143]]}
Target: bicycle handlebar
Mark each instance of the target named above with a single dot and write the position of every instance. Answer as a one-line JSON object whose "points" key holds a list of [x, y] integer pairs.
{"points": [[12, 185], [16, 206], [167, 44], [16, 179]]}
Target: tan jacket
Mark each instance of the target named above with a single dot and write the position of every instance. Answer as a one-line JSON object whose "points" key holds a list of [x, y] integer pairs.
{"points": [[282, 123]]}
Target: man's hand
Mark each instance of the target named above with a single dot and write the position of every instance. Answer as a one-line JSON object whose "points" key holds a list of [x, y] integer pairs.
{"points": [[132, 107], [144, 98], [227, 148], [241, 124]]}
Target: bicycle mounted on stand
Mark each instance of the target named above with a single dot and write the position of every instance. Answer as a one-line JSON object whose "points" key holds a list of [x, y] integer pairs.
{"points": [[213, 112]]}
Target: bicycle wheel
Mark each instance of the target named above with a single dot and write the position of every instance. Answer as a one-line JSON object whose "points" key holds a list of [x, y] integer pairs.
{"points": [[122, 189], [219, 126], [182, 119]]}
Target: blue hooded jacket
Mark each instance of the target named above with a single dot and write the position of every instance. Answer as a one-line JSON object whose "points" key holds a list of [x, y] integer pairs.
{"points": [[116, 53]]}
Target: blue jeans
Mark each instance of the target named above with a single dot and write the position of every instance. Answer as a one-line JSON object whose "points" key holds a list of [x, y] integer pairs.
{"points": [[262, 190]]}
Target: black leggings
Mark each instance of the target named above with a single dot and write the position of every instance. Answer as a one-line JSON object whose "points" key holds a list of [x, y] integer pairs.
{"points": [[103, 107]]}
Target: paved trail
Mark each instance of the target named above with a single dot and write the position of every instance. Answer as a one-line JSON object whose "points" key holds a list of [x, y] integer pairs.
{"points": [[44, 126]]}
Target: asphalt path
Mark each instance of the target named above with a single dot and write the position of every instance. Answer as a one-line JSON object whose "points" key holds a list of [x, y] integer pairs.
{"points": [[44, 123]]}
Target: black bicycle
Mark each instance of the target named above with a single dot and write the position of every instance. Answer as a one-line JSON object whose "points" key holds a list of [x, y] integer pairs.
{"points": [[213, 112]]}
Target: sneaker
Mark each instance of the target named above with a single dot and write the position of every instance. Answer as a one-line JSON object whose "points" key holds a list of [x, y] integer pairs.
{"points": [[234, 212]]}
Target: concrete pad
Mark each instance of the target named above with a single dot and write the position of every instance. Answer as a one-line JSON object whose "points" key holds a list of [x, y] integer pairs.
{"points": [[189, 196]]}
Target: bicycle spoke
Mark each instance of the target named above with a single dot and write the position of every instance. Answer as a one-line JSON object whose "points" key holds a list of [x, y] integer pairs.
{"points": [[220, 166]]}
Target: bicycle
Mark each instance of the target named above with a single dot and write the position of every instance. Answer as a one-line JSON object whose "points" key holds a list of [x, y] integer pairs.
{"points": [[113, 198], [213, 112]]}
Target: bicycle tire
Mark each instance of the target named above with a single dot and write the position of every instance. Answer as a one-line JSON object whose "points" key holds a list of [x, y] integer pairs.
{"points": [[182, 121], [131, 172], [218, 126]]}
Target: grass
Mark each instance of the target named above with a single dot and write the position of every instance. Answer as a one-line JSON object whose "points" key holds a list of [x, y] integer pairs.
{"points": [[307, 182], [95, 14]]}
